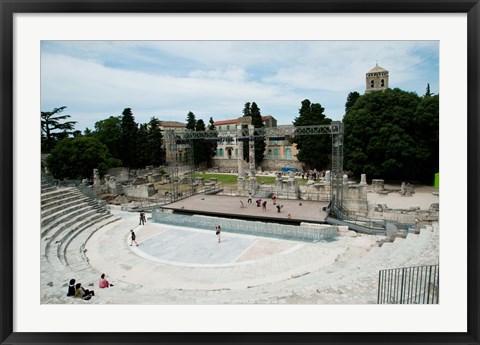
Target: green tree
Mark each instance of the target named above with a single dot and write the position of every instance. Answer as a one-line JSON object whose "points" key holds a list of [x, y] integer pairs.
{"points": [[75, 158], [351, 99], [246, 113], [252, 110], [54, 128], [155, 143], [212, 143], [202, 156], [128, 140], [109, 132], [426, 135], [142, 148], [392, 135], [313, 150], [427, 91], [191, 121]]}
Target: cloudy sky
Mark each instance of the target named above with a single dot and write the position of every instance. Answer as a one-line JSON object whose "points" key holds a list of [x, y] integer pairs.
{"points": [[167, 79]]}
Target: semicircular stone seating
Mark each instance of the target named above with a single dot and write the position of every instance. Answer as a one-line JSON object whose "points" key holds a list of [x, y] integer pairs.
{"points": [[68, 220], [341, 272]]}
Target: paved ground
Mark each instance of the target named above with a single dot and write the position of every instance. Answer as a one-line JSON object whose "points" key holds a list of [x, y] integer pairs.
{"points": [[294, 210]]}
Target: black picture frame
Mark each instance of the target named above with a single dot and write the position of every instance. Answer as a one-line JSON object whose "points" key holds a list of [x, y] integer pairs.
{"points": [[10, 7]]}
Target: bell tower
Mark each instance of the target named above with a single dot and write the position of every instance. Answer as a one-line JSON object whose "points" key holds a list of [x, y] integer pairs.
{"points": [[376, 79]]}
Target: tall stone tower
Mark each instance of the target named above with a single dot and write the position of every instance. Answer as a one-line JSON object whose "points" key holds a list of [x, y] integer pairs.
{"points": [[376, 79]]}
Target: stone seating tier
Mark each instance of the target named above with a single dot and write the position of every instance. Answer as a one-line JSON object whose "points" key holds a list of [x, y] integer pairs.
{"points": [[58, 205], [47, 188], [83, 234], [69, 218], [66, 212], [57, 194], [60, 232]]}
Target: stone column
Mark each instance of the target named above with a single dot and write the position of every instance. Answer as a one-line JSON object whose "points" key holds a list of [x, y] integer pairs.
{"points": [[251, 158], [377, 185], [96, 177], [363, 179], [363, 187], [241, 172], [251, 150]]}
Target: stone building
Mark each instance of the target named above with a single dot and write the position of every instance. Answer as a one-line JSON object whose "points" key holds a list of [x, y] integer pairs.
{"points": [[376, 79], [278, 153], [181, 154]]}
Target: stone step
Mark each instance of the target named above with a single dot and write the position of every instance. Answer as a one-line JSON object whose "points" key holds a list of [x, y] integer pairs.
{"points": [[60, 193], [78, 239], [69, 219], [67, 197], [47, 189], [53, 214], [57, 234]]}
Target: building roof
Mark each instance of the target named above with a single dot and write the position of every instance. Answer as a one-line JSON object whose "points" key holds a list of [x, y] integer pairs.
{"points": [[377, 69], [226, 122], [172, 124], [234, 121]]}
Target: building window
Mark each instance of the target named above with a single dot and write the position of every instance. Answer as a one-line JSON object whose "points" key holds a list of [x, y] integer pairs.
{"points": [[382, 83], [372, 83], [269, 153], [288, 153], [220, 152], [275, 153], [236, 152]]}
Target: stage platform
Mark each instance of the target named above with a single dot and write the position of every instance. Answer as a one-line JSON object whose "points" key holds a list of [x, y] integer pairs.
{"points": [[293, 211]]}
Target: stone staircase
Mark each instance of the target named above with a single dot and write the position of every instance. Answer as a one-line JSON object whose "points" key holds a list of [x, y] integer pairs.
{"points": [[68, 220]]}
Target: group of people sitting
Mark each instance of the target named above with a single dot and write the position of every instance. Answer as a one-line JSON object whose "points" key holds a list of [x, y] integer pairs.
{"points": [[77, 290]]}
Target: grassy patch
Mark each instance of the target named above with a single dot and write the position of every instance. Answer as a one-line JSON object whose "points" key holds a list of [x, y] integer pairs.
{"points": [[221, 178], [227, 179]]}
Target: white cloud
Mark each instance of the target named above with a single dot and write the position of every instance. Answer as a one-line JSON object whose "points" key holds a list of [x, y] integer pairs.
{"points": [[168, 79]]}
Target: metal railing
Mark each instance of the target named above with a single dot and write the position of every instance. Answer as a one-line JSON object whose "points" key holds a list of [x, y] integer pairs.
{"points": [[282, 231], [409, 285]]}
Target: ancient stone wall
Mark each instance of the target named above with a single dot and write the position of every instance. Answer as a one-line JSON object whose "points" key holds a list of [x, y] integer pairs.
{"points": [[121, 174], [140, 191]]}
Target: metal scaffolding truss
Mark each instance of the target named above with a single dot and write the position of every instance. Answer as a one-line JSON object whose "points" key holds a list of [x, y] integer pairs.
{"points": [[274, 133], [286, 132]]}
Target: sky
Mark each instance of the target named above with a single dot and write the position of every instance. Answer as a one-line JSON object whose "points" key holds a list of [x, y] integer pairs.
{"points": [[168, 79]]}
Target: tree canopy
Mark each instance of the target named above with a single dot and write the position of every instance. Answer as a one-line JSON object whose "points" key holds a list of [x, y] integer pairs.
{"points": [[252, 110], [109, 132], [202, 150], [75, 158], [54, 127], [129, 139], [392, 135], [313, 150]]}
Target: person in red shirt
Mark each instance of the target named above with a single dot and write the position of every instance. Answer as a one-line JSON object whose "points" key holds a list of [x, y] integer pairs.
{"points": [[103, 283]]}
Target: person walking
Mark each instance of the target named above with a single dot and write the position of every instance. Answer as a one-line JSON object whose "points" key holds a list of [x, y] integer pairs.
{"points": [[274, 199], [249, 201], [264, 205], [133, 238], [218, 230]]}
